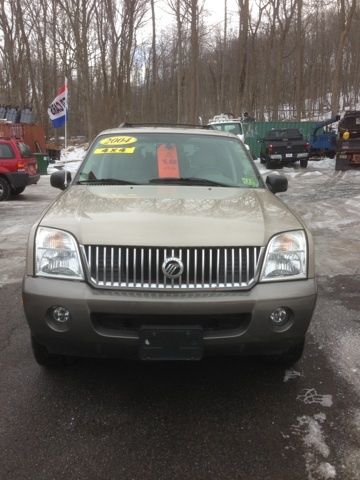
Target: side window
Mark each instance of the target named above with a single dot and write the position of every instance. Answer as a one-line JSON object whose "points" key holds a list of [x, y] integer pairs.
{"points": [[6, 151], [234, 128], [24, 150]]}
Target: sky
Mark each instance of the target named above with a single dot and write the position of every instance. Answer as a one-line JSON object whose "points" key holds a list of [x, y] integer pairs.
{"points": [[214, 9]]}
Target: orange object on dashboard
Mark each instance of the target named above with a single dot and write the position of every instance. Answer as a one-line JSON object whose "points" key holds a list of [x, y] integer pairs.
{"points": [[167, 160]]}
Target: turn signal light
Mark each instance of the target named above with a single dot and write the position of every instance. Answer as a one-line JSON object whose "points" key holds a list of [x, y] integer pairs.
{"points": [[21, 166]]}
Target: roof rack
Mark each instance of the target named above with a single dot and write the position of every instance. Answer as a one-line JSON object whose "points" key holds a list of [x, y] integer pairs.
{"points": [[161, 124], [224, 117]]}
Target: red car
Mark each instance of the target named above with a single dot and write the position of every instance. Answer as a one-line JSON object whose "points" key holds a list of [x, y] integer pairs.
{"points": [[18, 168]]}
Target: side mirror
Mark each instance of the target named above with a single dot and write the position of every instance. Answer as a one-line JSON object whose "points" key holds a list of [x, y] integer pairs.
{"points": [[276, 183], [57, 179]]}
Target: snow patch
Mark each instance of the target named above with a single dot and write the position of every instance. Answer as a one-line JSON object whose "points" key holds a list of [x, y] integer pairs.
{"points": [[314, 174], [71, 158], [316, 449], [357, 420], [314, 438], [310, 396], [290, 374], [327, 471]]}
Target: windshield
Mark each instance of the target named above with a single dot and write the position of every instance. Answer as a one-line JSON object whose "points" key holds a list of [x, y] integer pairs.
{"points": [[351, 122], [289, 133], [229, 127], [155, 158]]}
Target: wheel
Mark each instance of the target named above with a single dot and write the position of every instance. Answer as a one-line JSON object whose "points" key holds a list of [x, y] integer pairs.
{"points": [[4, 189], [46, 359], [341, 164], [304, 163], [291, 356], [17, 191], [271, 164], [262, 160]]}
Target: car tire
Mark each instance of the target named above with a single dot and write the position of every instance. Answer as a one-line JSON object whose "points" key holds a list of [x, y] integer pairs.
{"points": [[17, 191], [270, 164], [292, 355], [46, 359], [4, 189], [304, 163], [341, 164]]}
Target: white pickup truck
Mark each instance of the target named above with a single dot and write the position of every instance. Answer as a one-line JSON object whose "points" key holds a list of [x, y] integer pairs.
{"points": [[229, 124]]}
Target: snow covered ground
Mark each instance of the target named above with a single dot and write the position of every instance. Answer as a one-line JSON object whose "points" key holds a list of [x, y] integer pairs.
{"points": [[71, 157]]}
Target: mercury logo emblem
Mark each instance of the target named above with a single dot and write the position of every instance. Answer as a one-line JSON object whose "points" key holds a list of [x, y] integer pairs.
{"points": [[172, 267]]}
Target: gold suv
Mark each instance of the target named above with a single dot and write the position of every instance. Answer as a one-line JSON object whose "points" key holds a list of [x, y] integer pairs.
{"points": [[168, 245]]}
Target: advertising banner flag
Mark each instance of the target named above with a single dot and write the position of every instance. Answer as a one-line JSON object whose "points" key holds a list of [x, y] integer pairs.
{"points": [[58, 108]]}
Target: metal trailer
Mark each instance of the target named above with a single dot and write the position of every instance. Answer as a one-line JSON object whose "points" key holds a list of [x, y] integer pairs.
{"points": [[322, 142], [348, 144]]}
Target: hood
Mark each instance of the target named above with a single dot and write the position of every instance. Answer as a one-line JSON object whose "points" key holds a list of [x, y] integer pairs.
{"points": [[172, 215]]}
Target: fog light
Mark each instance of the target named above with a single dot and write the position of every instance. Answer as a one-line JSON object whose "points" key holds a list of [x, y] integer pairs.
{"points": [[280, 316], [60, 314]]}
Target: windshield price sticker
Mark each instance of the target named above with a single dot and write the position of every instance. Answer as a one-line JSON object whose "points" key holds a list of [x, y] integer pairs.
{"points": [[167, 160], [121, 140], [99, 151]]}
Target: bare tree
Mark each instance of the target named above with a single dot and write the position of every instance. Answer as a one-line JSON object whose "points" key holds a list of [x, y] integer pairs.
{"points": [[299, 93], [346, 15], [244, 18], [180, 9]]}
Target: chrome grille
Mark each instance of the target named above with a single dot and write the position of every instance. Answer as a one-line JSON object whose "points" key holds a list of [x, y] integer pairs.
{"points": [[141, 267]]}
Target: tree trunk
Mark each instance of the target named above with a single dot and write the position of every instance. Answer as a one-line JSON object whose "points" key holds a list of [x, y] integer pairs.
{"points": [[344, 31]]}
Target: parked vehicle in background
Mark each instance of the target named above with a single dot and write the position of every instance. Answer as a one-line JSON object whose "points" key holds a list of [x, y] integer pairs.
{"points": [[33, 135], [323, 139], [282, 146], [168, 245], [18, 167], [226, 122], [348, 144]]}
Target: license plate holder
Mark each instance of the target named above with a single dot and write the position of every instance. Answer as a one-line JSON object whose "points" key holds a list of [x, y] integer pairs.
{"points": [[288, 155], [171, 343]]}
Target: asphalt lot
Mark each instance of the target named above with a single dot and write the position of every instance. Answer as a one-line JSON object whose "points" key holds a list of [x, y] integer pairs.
{"points": [[217, 419]]}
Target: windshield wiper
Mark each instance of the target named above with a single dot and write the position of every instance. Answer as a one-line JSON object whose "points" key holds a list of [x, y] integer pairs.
{"points": [[189, 180], [106, 181]]}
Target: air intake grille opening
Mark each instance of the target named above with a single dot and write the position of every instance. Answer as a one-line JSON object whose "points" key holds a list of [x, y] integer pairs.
{"points": [[141, 267]]}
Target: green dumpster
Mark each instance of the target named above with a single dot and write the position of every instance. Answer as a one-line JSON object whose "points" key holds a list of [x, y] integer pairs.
{"points": [[255, 131], [42, 161]]}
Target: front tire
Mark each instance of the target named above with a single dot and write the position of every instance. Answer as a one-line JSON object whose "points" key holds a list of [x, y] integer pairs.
{"points": [[17, 191], [46, 359], [292, 355], [4, 189], [304, 163]]}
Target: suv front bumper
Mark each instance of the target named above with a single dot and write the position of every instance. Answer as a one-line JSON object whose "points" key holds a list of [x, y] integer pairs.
{"points": [[108, 322]]}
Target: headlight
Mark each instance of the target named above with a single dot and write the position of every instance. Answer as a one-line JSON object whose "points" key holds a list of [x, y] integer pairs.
{"points": [[286, 257], [57, 254]]}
